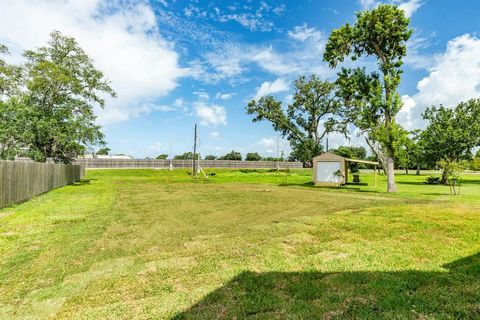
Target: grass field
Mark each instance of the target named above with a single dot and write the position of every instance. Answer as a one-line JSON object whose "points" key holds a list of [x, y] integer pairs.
{"points": [[153, 244]]}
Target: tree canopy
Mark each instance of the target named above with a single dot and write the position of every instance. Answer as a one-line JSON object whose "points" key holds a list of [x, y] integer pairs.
{"points": [[451, 134], [306, 120], [103, 151], [52, 115], [372, 100], [210, 157], [232, 155], [187, 156], [253, 156], [162, 156]]}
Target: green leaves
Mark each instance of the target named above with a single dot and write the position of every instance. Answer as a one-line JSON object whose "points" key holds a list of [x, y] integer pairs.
{"points": [[371, 100], [313, 113], [55, 112], [452, 133]]}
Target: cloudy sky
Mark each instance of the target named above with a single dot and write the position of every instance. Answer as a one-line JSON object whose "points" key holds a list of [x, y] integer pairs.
{"points": [[177, 63]]}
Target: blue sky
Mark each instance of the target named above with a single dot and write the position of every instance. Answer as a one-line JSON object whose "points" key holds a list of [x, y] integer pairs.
{"points": [[174, 63]]}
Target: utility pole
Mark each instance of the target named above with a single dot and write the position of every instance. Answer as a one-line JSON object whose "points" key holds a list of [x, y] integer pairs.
{"points": [[195, 151], [278, 165], [327, 143], [171, 156]]}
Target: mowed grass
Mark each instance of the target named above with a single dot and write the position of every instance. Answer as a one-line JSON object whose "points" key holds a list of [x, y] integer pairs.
{"points": [[153, 244]]}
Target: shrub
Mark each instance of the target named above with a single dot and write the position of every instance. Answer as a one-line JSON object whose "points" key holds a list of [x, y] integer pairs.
{"points": [[432, 180]]}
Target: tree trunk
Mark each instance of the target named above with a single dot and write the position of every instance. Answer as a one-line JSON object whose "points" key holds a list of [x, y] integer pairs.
{"points": [[406, 170], [391, 187], [444, 177], [418, 170]]}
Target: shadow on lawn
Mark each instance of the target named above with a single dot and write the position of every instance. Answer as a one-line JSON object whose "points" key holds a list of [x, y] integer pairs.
{"points": [[82, 182], [354, 187], [453, 294]]}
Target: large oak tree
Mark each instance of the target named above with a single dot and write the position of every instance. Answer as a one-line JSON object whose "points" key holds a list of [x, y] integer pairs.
{"points": [[306, 120]]}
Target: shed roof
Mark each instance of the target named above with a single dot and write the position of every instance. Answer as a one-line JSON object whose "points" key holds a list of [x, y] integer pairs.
{"points": [[328, 156]]}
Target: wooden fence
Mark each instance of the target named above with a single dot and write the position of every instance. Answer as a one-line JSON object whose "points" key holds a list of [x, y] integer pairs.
{"points": [[164, 164], [21, 180]]}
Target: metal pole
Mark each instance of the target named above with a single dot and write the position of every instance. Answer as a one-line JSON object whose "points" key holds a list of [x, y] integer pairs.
{"points": [[278, 165], [327, 143], [195, 151], [171, 157]]}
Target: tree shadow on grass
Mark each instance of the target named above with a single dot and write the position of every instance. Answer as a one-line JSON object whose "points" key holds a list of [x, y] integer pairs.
{"points": [[346, 188], [411, 294], [82, 182]]}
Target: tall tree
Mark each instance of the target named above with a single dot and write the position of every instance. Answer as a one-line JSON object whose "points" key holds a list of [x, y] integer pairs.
{"points": [[63, 86], [307, 120], [11, 124], [451, 134], [371, 100]]}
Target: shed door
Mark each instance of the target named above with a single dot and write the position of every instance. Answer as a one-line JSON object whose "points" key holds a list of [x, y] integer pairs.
{"points": [[326, 170]]}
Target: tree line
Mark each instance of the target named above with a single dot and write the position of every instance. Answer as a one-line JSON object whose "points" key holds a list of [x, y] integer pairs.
{"points": [[368, 101], [47, 103], [232, 155]]}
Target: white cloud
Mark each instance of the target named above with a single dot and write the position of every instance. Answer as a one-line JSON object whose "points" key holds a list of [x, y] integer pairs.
{"points": [[303, 32], [410, 7], [267, 145], [215, 135], [233, 59], [368, 4], [267, 142], [121, 37], [415, 59], [210, 114], [267, 88], [454, 77], [224, 96], [157, 147], [202, 95], [252, 20]]}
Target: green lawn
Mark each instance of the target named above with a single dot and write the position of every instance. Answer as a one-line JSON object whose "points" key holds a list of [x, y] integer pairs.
{"points": [[152, 244]]}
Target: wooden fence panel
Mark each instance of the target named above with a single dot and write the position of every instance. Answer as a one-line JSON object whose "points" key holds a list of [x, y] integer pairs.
{"points": [[21, 180]]}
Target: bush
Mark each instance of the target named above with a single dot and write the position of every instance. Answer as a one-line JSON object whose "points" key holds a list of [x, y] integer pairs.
{"points": [[432, 180]]}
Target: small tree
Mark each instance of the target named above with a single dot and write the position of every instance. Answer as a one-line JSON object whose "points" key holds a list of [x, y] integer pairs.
{"points": [[253, 156], [103, 151], [372, 99], [186, 156], [210, 157], [475, 163], [307, 120], [231, 156], [162, 156], [451, 134]]}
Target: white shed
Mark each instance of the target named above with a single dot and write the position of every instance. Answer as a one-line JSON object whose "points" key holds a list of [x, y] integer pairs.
{"points": [[329, 169]]}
